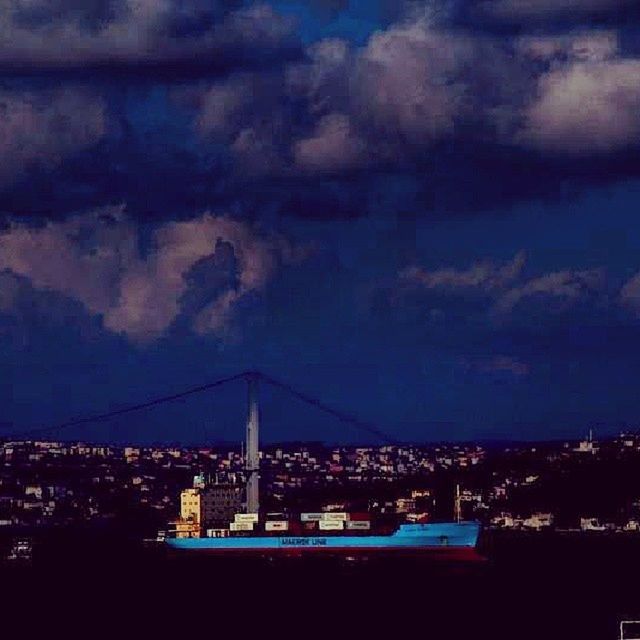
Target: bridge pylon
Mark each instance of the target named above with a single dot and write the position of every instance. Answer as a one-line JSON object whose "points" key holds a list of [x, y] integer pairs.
{"points": [[252, 460]]}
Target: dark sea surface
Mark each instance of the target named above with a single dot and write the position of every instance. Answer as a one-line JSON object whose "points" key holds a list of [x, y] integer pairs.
{"points": [[530, 586]]}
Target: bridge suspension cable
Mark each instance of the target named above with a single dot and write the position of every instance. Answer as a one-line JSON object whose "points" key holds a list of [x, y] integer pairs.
{"points": [[246, 375], [340, 415], [128, 409]]}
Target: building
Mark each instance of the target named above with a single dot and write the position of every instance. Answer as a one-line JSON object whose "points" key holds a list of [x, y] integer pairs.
{"points": [[587, 446], [405, 505], [504, 521], [591, 524], [538, 521], [632, 525]]}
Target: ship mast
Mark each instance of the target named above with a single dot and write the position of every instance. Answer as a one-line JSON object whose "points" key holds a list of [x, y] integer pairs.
{"points": [[457, 505], [252, 462]]}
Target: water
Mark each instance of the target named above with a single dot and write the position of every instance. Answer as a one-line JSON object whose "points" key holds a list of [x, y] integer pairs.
{"points": [[531, 587]]}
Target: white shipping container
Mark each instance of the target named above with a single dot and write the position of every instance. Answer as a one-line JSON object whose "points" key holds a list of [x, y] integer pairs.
{"points": [[277, 516], [246, 517], [331, 525], [311, 517], [335, 515], [276, 525], [241, 526], [358, 524]]}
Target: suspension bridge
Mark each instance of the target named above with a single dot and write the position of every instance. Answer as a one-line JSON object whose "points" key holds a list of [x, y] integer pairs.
{"points": [[253, 379]]}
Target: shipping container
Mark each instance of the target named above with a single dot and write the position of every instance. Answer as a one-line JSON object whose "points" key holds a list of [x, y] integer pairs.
{"points": [[311, 517], [358, 524], [276, 525], [335, 515], [241, 526], [331, 525], [360, 515], [246, 517]]}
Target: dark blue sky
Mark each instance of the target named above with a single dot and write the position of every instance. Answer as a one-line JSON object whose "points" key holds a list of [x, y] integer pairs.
{"points": [[423, 213]]}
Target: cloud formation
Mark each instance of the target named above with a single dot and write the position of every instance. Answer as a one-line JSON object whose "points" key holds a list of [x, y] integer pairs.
{"points": [[419, 84], [45, 34], [499, 364], [586, 107], [420, 97], [506, 287], [567, 287], [630, 294], [97, 260], [409, 80], [484, 276], [43, 129], [546, 10], [333, 146]]}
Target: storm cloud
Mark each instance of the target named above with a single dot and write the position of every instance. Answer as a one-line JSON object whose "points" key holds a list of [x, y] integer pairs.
{"points": [[422, 98], [107, 33], [46, 128]]}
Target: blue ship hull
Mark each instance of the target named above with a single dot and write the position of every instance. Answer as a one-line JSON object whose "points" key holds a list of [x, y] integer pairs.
{"points": [[448, 539]]}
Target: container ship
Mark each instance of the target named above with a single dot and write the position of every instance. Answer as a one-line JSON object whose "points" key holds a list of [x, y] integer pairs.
{"points": [[253, 533], [446, 540], [259, 534]]}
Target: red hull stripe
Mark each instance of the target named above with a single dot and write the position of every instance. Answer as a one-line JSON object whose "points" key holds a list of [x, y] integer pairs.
{"points": [[466, 554]]}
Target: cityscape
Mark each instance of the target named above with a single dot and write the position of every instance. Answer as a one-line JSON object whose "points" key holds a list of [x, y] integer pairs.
{"points": [[569, 486]]}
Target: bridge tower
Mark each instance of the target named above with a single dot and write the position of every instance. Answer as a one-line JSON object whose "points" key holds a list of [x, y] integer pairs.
{"points": [[252, 461]]}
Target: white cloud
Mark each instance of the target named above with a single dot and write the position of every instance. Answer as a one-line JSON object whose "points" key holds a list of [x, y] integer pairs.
{"points": [[505, 286], [417, 83], [586, 107], [409, 79], [630, 294], [485, 276], [568, 286], [334, 146], [580, 46], [96, 259]]}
